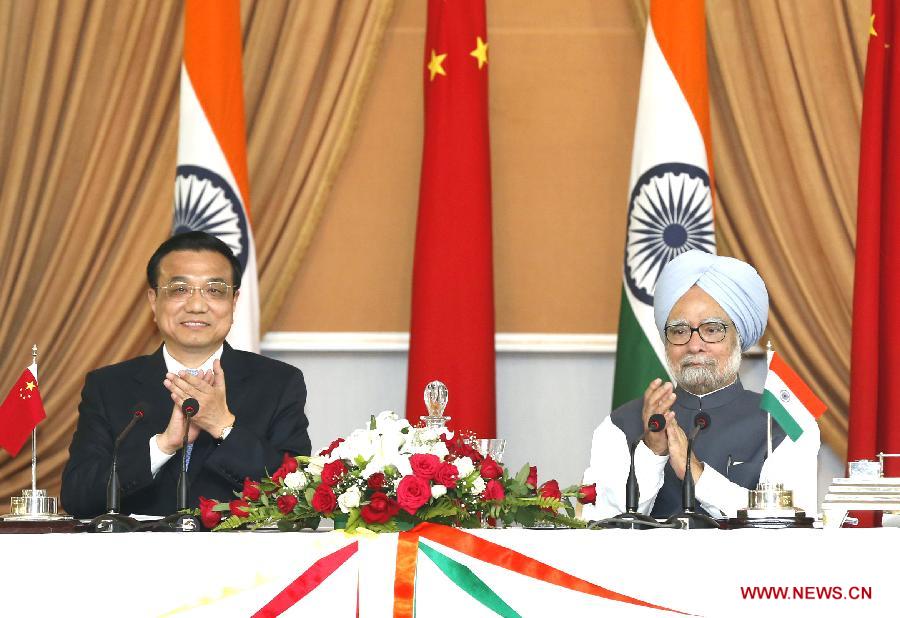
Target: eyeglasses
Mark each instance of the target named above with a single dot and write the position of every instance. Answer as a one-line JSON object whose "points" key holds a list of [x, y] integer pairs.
{"points": [[710, 332], [211, 290]]}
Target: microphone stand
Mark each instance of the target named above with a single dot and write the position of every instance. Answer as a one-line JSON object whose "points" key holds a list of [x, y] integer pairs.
{"points": [[689, 518], [112, 520], [179, 521], [631, 518]]}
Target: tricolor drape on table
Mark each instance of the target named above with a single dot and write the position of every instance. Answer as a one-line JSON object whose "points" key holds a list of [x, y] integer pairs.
{"points": [[212, 189], [452, 326], [670, 207], [21, 411], [875, 353]]}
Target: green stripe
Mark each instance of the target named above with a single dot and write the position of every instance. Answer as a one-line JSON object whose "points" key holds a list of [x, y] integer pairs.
{"points": [[636, 363], [770, 404], [468, 582]]}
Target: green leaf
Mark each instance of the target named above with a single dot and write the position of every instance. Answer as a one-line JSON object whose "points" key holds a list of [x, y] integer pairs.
{"points": [[229, 523], [353, 520], [522, 475], [443, 507]]}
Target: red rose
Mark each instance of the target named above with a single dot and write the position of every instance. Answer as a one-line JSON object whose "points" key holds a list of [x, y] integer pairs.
{"points": [[278, 477], [251, 489], [288, 463], [447, 475], [326, 452], [376, 481], [241, 508], [324, 499], [490, 469], [332, 472], [588, 494], [379, 509], [287, 503], [531, 481], [550, 489], [413, 492], [493, 491], [425, 466], [209, 517]]}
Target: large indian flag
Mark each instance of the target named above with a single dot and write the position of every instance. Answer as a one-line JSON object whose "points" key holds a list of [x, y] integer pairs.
{"points": [[212, 190], [789, 400], [670, 206]]}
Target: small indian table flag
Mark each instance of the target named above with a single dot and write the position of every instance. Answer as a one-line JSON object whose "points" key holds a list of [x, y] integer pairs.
{"points": [[789, 400]]}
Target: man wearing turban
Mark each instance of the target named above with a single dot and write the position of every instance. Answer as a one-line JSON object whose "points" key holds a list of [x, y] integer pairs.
{"points": [[708, 310]]}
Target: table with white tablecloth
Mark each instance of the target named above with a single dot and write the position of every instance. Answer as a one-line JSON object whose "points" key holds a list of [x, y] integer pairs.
{"points": [[699, 572]]}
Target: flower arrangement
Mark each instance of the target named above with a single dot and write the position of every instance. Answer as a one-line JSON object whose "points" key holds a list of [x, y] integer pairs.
{"points": [[389, 477]]}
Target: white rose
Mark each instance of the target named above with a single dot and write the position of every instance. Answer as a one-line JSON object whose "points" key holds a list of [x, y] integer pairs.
{"points": [[437, 491], [315, 465], [295, 480], [349, 499], [464, 466], [439, 449], [478, 485]]}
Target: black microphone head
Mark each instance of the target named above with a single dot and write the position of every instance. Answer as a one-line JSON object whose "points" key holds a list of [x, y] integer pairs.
{"points": [[190, 406], [656, 423], [702, 420], [139, 409]]}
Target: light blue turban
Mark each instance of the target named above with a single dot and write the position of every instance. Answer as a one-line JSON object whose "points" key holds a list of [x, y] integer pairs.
{"points": [[734, 284]]}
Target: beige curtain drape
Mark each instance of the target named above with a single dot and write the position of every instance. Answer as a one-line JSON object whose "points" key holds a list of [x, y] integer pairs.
{"points": [[88, 136], [785, 82]]}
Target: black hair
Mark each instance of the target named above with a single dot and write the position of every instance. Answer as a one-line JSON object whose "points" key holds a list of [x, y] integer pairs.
{"points": [[192, 241]]}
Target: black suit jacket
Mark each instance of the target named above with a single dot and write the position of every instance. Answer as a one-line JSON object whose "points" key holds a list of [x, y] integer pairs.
{"points": [[266, 396]]}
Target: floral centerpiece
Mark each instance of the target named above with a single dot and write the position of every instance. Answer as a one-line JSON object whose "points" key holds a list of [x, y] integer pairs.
{"points": [[391, 476]]}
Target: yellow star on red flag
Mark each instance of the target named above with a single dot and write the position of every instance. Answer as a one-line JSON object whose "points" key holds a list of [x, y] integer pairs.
{"points": [[480, 52], [436, 64]]}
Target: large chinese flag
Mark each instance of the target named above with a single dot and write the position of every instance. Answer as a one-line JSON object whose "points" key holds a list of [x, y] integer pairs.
{"points": [[875, 357], [212, 191], [452, 330], [875, 354]]}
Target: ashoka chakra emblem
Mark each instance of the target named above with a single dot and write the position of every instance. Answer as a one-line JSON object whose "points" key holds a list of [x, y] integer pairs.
{"points": [[205, 202], [670, 212]]}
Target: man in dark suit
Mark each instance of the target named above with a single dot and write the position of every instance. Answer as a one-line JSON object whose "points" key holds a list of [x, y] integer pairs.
{"points": [[243, 426]]}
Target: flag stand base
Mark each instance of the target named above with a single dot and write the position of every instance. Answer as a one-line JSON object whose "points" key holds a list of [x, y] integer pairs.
{"points": [[34, 505]]}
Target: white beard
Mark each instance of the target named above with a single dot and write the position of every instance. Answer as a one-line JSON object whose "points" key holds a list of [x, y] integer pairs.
{"points": [[707, 376]]}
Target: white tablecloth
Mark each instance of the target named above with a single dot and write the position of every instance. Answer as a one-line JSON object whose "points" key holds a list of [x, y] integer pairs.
{"points": [[700, 572]]}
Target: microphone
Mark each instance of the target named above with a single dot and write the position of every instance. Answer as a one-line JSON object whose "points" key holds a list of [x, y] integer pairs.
{"points": [[689, 516], [179, 521], [189, 407], [701, 422], [655, 423], [631, 519], [113, 521]]}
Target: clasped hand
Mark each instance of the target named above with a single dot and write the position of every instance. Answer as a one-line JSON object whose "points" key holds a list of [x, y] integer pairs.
{"points": [[658, 399], [208, 388]]}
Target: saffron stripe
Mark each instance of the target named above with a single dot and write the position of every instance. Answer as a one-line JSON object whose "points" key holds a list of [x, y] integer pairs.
{"points": [[794, 382], [308, 581], [405, 574], [468, 582]]}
